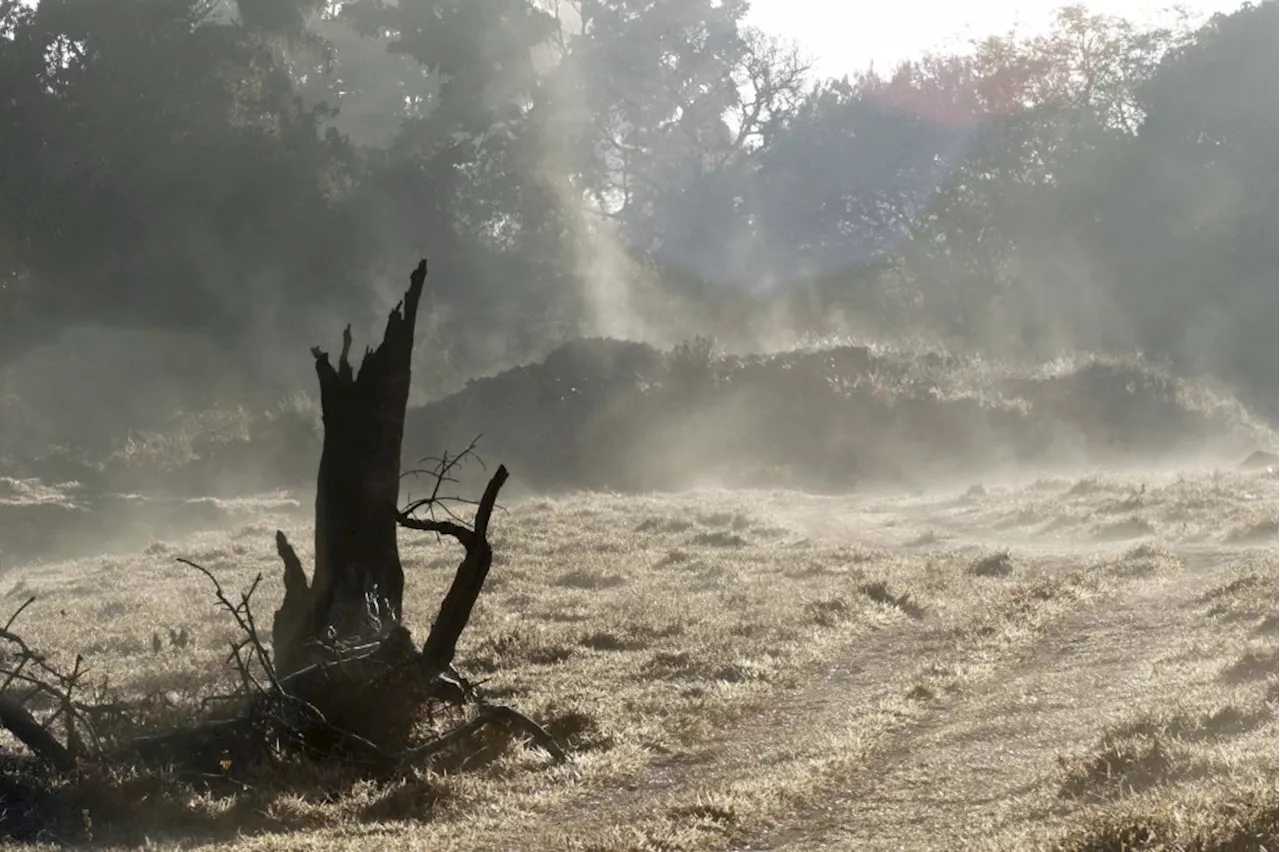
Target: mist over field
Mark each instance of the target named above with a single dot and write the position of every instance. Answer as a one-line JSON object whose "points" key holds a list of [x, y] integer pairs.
{"points": [[855, 425]]}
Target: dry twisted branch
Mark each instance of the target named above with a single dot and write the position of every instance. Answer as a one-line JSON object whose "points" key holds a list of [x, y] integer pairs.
{"points": [[444, 470], [33, 669], [455, 609]]}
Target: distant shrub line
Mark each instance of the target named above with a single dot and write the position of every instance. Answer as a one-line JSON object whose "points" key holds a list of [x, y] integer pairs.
{"points": [[608, 414]]}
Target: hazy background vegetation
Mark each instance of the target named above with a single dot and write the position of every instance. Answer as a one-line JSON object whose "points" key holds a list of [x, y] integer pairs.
{"points": [[1007, 313], [193, 192]]}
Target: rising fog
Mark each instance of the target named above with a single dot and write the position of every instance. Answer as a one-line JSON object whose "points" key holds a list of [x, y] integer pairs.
{"points": [[193, 193]]}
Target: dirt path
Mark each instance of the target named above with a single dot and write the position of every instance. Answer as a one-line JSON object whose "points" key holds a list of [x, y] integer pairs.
{"points": [[767, 738], [913, 774], [985, 761]]}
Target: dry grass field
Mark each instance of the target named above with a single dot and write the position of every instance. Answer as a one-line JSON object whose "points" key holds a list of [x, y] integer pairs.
{"points": [[1077, 663]]}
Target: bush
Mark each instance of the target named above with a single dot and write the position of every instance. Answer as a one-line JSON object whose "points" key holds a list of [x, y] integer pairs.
{"points": [[627, 418]]}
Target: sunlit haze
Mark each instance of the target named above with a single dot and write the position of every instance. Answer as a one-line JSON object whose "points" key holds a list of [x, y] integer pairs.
{"points": [[639, 424], [843, 38]]}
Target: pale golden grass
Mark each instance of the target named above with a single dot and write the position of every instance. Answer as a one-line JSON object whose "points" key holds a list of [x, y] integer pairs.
{"points": [[1194, 765], [632, 626], [1203, 507], [718, 662]]}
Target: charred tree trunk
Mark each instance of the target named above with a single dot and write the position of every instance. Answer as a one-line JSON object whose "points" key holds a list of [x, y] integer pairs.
{"points": [[345, 681], [357, 588]]}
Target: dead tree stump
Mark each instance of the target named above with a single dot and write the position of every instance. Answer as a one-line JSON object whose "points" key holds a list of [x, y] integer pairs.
{"points": [[345, 680], [357, 588]]}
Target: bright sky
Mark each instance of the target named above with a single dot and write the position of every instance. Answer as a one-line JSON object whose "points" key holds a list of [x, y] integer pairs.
{"points": [[844, 36]]}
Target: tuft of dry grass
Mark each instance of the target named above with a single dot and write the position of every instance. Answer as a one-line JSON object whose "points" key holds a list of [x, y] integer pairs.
{"points": [[1263, 528], [1230, 817], [878, 591], [1160, 747], [1145, 560], [1254, 664], [1121, 765], [998, 564]]}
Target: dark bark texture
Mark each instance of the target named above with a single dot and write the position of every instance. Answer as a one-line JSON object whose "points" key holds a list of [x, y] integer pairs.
{"points": [[357, 589]]}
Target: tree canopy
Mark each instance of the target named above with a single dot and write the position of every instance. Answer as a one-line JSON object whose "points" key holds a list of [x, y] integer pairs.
{"points": [[182, 165]]}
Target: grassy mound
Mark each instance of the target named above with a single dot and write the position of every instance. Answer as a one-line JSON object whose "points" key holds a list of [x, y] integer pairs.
{"points": [[608, 414]]}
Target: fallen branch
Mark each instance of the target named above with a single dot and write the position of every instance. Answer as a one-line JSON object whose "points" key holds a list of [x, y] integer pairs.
{"points": [[489, 713], [32, 669], [19, 721]]}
